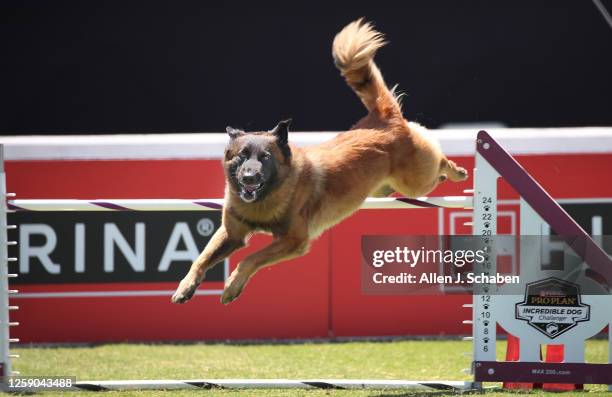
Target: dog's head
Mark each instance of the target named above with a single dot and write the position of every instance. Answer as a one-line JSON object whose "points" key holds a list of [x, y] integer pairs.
{"points": [[254, 161]]}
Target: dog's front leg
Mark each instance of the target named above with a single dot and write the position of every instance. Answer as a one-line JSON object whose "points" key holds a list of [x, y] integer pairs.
{"points": [[282, 248], [220, 246]]}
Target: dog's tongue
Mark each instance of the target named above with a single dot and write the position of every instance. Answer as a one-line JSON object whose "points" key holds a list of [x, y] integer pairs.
{"points": [[250, 189]]}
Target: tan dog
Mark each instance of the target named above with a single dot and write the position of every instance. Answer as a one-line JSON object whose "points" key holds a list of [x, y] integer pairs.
{"points": [[295, 194]]}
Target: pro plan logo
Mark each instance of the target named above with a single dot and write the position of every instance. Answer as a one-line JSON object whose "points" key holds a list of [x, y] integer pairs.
{"points": [[552, 306]]}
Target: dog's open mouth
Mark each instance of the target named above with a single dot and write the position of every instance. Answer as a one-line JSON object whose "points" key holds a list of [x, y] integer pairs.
{"points": [[249, 193]]}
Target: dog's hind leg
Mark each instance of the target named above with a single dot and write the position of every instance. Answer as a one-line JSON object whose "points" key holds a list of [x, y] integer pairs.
{"points": [[222, 244], [450, 170], [383, 191]]}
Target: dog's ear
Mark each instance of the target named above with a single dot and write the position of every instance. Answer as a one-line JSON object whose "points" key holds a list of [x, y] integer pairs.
{"points": [[282, 132], [232, 132]]}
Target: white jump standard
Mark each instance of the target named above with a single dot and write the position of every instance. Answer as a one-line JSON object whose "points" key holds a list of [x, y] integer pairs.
{"points": [[492, 162]]}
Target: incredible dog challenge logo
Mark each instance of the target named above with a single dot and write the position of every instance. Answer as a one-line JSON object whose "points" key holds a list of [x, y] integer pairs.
{"points": [[552, 306]]}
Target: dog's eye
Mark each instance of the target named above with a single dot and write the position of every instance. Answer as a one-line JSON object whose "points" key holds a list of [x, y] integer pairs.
{"points": [[266, 157]]}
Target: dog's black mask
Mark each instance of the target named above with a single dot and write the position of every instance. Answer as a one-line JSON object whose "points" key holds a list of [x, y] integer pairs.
{"points": [[253, 161]]}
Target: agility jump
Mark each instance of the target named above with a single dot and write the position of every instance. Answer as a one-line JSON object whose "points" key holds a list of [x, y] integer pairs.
{"points": [[217, 204], [492, 162]]}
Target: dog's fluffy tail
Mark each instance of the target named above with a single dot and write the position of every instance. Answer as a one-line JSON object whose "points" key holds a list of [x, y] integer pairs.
{"points": [[353, 50]]}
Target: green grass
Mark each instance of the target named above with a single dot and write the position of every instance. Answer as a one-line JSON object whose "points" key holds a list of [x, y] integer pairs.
{"points": [[414, 360]]}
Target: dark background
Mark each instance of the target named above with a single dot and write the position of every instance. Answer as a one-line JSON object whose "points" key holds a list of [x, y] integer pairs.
{"points": [[161, 66]]}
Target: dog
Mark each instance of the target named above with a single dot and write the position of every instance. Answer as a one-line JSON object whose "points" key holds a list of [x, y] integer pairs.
{"points": [[297, 193]]}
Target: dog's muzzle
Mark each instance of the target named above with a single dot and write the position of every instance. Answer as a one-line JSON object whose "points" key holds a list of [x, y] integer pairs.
{"points": [[250, 192], [250, 179]]}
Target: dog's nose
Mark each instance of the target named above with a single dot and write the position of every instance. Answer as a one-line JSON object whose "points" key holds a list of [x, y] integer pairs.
{"points": [[251, 173], [250, 177]]}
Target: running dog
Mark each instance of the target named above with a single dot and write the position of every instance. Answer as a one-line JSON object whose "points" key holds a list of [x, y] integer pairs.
{"points": [[296, 193]]}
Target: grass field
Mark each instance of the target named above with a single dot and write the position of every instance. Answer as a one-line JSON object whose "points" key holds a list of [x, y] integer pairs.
{"points": [[410, 360]]}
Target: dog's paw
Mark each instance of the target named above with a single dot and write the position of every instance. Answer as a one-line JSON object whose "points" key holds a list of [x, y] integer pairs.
{"points": [[462, 172], [233, 288], [229, 296], [184, 292]]}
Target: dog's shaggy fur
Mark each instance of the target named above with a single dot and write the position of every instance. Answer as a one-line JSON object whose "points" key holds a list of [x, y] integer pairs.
{"points": [[295, 194]]}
